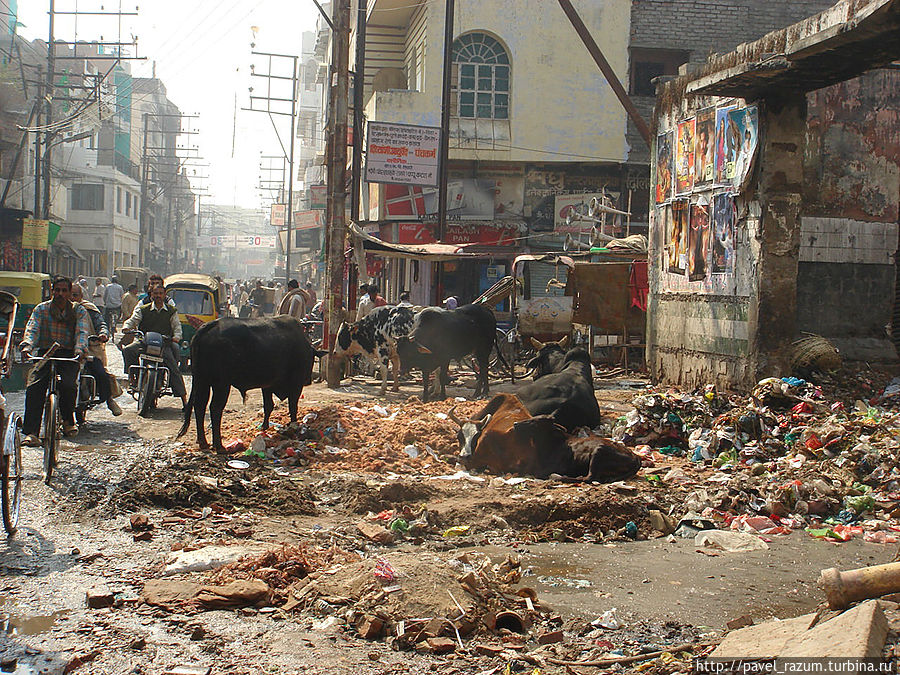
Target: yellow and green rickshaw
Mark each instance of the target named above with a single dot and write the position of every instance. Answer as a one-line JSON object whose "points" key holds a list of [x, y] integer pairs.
{"points": [[30, 289], [198, 298]]}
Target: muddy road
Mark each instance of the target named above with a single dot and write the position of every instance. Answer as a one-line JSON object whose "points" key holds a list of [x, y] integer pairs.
{"points": [[318, 520]]}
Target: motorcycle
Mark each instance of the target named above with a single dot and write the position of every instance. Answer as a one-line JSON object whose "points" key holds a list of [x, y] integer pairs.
{"points": [[149, 380]]}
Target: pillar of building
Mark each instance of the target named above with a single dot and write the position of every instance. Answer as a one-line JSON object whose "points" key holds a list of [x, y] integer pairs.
{"points": [[779, 193]]}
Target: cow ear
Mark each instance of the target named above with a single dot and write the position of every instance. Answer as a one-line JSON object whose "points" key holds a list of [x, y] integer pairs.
{"points": [[321, 352], [537, 344], [421, 349], [564, 342]]}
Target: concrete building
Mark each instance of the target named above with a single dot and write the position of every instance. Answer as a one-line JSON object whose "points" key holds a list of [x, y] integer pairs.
{"points": [[802, 235]]}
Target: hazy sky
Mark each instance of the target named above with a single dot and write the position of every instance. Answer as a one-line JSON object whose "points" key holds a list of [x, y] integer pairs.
{"points": [[202, 54]]}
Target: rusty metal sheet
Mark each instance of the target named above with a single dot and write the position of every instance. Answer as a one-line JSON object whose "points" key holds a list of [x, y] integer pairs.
{"points": [[601, 295]]}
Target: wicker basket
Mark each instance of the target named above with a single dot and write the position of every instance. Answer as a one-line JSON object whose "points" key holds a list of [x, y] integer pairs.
{"points": [[814, 352]]}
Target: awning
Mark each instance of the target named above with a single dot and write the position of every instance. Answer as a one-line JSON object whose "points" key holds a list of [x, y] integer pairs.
{"points": [[67, 251], [431, 252]]}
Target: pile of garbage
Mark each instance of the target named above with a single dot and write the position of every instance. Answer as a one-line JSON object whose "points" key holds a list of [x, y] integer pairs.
{"points": [[786, 457], [373, 438]]}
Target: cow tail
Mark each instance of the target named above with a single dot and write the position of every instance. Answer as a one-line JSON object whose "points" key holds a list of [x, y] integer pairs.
{"points": [[512, 369], [189, 408]]}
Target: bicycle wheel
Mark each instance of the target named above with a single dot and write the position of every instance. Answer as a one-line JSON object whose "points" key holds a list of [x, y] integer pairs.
{"points": [[11, 475], [52, 425], [147, 393]]}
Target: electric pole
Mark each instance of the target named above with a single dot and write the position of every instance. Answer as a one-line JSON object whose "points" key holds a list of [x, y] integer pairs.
{"points": [[336, 226], [271, 98]]}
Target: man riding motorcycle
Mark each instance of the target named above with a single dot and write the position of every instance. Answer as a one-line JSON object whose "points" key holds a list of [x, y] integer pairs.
{"points": [[158, 316], [97, 366], [56, 320]]}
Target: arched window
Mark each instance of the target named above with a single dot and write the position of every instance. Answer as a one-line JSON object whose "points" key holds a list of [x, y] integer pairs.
{"points": [[482, 84]]}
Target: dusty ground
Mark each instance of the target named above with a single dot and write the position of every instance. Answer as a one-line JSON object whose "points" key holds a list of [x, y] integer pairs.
{"points": [[560, 540]]}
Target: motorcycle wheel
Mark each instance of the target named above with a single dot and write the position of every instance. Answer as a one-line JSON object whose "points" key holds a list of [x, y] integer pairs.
{"points": [[147, 393]]}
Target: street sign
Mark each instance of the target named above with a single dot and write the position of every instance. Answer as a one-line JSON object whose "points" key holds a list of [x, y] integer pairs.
{"points": [[34, 233], [403, 154], [278, 215]]}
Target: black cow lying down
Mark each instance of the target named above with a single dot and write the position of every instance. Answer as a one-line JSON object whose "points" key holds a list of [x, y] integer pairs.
{"points": [[503, 437], [272, 354]]}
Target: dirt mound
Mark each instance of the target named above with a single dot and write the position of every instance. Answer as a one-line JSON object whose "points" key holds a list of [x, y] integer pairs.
{"points": [[198, 479], [412, 437]]}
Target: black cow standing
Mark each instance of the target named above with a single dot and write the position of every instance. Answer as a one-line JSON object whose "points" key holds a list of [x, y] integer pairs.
{"points": [[567, 395], [441, 336], [272, 354]]}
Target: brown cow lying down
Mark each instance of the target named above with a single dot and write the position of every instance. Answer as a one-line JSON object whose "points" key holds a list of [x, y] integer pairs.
{"points": [[503, 438]]}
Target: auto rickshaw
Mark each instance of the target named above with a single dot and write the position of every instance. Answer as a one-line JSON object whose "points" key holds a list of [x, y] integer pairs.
{"points": [[199, 300], [30, 289], [133, 275]]}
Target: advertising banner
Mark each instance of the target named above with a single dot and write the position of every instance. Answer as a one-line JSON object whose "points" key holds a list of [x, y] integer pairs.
{"points": [[35, 233], [726, 151], [404, 154], [723, 241], [676, 236], [684, 157], [664, 162], [221, 241], [278, 215], [318, 197], [458, 233], [743, 123], [698, 242], [704, 153], [257, 241], [307, 220]]}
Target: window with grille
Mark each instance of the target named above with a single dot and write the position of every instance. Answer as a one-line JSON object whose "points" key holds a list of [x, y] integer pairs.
{"points": [[87, 197], [482, 77]]}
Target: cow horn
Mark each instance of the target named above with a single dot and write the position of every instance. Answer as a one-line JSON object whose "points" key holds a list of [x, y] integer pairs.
{"points": [[452, 415], [564, 341], [537, 344]]}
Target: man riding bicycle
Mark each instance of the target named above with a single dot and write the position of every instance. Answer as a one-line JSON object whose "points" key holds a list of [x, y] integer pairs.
{"points": [[56, 320], [158, 316]]}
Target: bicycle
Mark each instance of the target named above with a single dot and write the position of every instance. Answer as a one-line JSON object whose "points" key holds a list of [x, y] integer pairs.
{"points": [[11, 475], [51, 422]]}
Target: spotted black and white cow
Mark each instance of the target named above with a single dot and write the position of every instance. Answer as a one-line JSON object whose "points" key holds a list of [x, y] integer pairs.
{"points": [[375, 337]]}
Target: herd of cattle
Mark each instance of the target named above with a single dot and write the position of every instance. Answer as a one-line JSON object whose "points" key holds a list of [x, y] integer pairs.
{"points": [[536, 431]]}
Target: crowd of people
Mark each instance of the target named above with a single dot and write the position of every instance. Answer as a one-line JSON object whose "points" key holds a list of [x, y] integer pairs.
{"points": [[255, 298], [81, 320]]}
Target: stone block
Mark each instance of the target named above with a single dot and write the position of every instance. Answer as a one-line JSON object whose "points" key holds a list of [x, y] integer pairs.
{"points": [[99, 597], [765, 640], [859, 632]]}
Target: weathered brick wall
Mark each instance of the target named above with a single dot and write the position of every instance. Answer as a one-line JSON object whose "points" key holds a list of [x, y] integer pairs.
{"points": [[703, 26]]}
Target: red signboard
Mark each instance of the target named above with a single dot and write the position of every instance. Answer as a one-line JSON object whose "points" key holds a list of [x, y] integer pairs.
{"points": [[457, 233]]}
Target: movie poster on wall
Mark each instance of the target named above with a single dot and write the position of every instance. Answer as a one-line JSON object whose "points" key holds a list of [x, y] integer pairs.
{"points": [[722, 261], [684, 157], [705, 146], [676, 236], [725, 150], [744, 123], [663, 167], [698, 240]]}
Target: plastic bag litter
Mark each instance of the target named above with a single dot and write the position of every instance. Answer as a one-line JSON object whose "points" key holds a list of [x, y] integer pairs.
{"points": [[607, 620], [732, 542]]}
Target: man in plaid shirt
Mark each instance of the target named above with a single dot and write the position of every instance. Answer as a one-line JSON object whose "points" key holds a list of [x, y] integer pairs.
{"points": [[56, 320]]}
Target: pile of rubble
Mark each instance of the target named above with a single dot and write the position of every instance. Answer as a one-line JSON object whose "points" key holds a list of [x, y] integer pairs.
{"points": [[408, 437]]}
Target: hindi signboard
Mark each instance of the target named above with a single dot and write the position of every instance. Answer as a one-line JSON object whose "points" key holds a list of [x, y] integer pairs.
{"points": [[307, 220], [278, 215], [318, 196], [257, 241], [404, 154], [34, 233]]}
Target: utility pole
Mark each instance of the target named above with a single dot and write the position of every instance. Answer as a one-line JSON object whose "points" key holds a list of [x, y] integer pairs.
{"points": [[443, 169], [48, 115], [336, 227], [269, 98], [145, 178], [445, 120], [359, 82]]}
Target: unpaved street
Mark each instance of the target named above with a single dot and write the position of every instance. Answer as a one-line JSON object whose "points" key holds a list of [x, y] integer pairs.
{"points": [[563, 541]]}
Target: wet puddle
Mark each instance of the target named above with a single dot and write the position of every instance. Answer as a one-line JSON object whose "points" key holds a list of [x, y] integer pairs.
{"points": [[22, 624]]}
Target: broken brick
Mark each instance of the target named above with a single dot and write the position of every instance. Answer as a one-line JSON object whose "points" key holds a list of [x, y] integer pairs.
{"points": [[99, 597], [551, 637], [441, 645]]}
